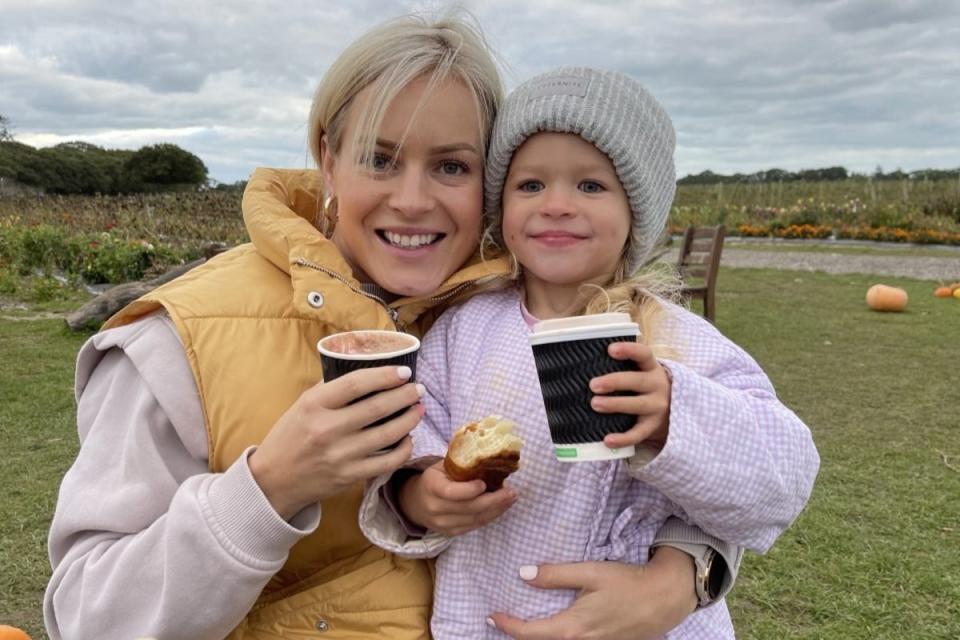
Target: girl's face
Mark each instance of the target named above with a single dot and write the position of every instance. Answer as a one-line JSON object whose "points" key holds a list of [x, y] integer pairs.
{"points": [[409, 218], [566, 217]]}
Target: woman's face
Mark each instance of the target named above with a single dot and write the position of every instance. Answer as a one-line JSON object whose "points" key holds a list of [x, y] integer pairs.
{"points": [[409, 218]]}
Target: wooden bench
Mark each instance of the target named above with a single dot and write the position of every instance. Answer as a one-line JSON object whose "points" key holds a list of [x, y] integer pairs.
{"points": [[698, 264]]}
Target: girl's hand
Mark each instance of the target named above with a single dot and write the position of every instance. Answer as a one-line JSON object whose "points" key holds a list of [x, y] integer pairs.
{"points": [[319, 447], [615, 600], [435, 502], [650, 399]]}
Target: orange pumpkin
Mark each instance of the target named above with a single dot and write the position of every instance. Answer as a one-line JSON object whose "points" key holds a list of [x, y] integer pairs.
{"points": [[880, 297], [12, 633], [943, 292]]}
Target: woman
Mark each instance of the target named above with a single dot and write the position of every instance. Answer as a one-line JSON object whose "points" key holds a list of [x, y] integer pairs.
{"points": [[217, 487]]}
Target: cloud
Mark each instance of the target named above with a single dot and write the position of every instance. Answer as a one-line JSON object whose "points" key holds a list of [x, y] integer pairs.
{"points": [[862, 15], [788, 83]]}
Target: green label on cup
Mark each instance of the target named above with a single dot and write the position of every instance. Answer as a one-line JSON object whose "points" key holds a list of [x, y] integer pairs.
{"points": [[565, 452]]}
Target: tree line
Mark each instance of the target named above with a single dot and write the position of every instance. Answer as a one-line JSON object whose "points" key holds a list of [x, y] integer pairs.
{"points": [[816, 175], [84, 168]]}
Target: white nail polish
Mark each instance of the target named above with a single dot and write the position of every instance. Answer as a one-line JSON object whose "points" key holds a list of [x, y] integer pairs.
{"points": [[528, 572], [421, 390], [491, 623], [404, 373]]}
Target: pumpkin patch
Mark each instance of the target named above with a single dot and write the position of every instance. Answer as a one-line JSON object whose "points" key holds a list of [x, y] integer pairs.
{"points": [[880, 297], [951, 290]]}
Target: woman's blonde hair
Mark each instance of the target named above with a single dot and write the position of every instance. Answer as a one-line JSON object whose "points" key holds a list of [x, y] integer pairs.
{"points": [[388, 58]]}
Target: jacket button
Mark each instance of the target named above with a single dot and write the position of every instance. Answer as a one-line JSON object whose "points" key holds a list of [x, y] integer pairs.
{"points": [[315, 299], [321, 625]]}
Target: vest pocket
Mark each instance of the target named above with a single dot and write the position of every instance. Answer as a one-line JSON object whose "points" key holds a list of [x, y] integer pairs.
{"points": [[388, 598]]}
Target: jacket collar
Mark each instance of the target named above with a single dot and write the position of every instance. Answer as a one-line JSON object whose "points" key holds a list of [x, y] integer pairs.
{"points": [[286, 236]]}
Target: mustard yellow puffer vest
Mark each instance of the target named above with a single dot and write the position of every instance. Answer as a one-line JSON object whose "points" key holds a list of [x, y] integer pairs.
{"points": [[249, 321]]}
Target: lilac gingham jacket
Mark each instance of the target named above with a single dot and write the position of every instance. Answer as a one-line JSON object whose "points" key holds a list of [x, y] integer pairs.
{"points": [[737, 463]]}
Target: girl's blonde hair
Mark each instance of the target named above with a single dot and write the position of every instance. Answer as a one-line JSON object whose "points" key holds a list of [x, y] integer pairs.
{"points": [[642, 295], [388, 58]]}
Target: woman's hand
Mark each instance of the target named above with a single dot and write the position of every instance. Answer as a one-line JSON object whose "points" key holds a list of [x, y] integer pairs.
{"points": [[319, 447], [615, 600], [650, 389], [434, 501]]}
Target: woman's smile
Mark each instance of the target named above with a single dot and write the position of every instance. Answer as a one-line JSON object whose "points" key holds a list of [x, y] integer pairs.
{"points": [[410, 240]]}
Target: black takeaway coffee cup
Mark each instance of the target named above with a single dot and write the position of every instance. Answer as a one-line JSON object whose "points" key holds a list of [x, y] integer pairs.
{"points": [[342, 353], [569, 352]]}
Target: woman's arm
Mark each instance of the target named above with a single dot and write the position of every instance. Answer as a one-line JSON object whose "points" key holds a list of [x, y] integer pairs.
{"points": [[144, 541], [716, 562], [616, 600]]}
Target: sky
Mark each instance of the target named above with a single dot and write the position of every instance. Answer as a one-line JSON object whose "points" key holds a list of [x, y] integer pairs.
{"points": [[749, 84]]}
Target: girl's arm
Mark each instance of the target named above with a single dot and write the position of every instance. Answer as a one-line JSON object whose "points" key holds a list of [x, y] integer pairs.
{"points": [[415, 511], [145, 541], [381, 517], [736, 460]]}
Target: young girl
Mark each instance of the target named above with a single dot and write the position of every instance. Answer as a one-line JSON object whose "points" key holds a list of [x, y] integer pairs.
{"points": [[581, 165]]}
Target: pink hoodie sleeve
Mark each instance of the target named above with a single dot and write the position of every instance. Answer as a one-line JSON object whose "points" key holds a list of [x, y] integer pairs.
{"points": [[145, 541]]}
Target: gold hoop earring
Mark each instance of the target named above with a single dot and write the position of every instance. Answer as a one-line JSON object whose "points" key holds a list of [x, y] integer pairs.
{"points": [[328, 213]]}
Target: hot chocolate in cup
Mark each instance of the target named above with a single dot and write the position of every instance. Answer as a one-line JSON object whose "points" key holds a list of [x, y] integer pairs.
{"points": [[569, 352], [367, 344], [342, 353]]}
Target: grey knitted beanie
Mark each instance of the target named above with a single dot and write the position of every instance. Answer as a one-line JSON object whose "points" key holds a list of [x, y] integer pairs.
{"points": [[613, 112]]}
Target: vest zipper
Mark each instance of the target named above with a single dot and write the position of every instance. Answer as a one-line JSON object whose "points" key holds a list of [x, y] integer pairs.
{"points": [[452, 292], [460, 287], [393, 313]]}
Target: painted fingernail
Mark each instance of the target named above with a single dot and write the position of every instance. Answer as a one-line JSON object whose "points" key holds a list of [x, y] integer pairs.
{"points": [[404, 373], [491, 623], [421, 390], [528, 571]]}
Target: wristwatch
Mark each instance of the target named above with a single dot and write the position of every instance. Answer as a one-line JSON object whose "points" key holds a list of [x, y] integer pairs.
{"points": [[709, 571], [709, 577]]}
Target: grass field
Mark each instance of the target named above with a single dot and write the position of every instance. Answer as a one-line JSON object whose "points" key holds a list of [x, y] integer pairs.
{"points": [[872, 557]]}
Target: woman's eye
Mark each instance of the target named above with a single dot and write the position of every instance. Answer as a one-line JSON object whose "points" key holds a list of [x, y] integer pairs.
{"points": [[531, 186], [589, 186], [452, 168]]}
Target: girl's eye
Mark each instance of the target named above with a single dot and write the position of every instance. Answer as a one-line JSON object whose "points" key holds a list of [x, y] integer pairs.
{"points": [[531, 186], [452, 168], [589, 186], [380, 161]]}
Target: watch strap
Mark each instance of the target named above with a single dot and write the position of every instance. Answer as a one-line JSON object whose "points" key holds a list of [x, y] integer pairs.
{"points": [[721, 558]]}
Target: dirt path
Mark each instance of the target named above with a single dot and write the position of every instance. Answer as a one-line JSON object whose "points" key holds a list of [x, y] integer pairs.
{"points": [[936, 268], [46, 315]]}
